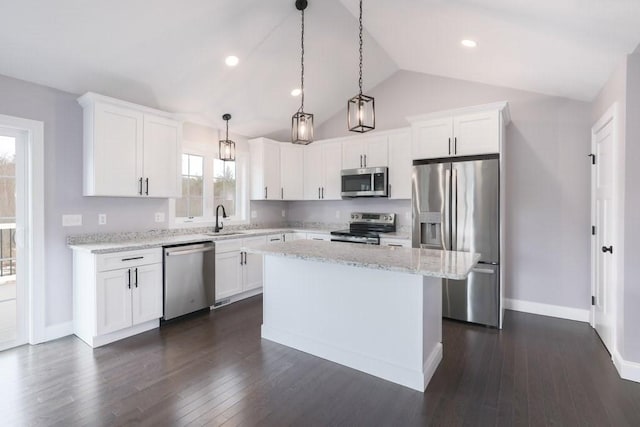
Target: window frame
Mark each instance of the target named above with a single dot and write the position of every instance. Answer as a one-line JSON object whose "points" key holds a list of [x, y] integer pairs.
{"points": [[209, 216]]}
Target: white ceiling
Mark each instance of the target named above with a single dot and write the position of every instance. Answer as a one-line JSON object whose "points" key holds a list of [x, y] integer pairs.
{"points": [[170, 54]]}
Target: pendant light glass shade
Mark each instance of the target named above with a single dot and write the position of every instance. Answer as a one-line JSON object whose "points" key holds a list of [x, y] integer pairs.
{"points": [[361, 112], [226, 147], [301, 122]]}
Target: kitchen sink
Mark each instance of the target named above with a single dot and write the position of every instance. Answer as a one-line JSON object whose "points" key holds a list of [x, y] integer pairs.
{"points": [[225, 233]]}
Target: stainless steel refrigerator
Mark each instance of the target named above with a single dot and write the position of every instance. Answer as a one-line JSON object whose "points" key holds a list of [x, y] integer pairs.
{"points": [[456, 206]]}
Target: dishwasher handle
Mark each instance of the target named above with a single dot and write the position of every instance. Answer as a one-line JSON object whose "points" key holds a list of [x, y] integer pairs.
{"points": [[190, 251]]}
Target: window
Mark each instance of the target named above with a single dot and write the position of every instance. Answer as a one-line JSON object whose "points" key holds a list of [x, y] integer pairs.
{"points": [[191, 204], [224, 185]]}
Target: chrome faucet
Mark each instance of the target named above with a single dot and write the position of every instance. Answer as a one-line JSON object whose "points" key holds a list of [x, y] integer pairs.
{"points": [[224, 215]]}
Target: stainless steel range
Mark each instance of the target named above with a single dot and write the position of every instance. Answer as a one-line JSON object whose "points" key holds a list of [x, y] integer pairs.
{"points": [[365, 228]]}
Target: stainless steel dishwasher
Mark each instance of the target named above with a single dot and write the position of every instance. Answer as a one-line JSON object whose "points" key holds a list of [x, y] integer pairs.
{"points": [[189, 278]]}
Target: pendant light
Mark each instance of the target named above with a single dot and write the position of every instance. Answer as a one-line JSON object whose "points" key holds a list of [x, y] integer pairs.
{"points": [[226, 147], [361, 114], [301, 122]]}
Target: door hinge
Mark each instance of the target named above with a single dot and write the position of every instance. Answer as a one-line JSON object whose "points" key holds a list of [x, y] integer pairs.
{"points": [[593, 300], [593, 158], [593, 230]]}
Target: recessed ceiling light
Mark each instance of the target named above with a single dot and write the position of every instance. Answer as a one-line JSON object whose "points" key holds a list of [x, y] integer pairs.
{"points": [[296, 92], [231, 60], [469, 43]]}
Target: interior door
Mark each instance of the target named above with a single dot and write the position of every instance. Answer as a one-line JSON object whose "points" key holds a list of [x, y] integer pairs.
{"points": [[603, 248], [476, 208]]}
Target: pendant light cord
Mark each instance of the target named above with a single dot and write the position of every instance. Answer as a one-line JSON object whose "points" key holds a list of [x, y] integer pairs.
{"points": [[302, 64], [360, 78]]}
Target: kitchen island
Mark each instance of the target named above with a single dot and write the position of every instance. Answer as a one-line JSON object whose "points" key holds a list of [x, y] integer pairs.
{"points": [[372, 308]]}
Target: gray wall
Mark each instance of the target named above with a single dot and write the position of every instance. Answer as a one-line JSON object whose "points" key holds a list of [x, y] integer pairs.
{"points": [[632, 213], [548, 218]]}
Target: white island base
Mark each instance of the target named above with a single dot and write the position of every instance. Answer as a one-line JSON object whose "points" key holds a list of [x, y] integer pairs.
{"points": [[384, 323]]}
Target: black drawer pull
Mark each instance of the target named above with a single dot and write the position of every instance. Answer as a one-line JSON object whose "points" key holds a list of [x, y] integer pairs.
{"points": [[132, 259]]}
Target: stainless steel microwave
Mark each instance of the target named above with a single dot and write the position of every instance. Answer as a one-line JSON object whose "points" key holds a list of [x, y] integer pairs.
{"points": [[365, 182]]}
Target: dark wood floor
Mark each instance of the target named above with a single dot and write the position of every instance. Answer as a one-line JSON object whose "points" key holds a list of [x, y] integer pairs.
{"points": [[214, 369]]}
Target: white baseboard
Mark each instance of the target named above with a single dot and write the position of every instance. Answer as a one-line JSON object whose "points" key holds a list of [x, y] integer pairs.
{"points": [[53, 332], [627, 370], [558, 311]]}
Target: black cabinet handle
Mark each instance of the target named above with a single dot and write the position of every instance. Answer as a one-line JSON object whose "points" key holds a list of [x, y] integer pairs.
{"points": [[136, 277], [365, 160], [132, 259], [129, 278], [265, 192], [449, 146], [140, 190], [282, 193], [323, 192], [147, 192], [318, 192], [455, 145], [245, 258], [240, 258], [606, 249], [360, 160]]}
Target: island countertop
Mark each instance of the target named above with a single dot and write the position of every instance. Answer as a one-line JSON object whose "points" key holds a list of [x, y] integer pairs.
{"points": [[425, 262]]}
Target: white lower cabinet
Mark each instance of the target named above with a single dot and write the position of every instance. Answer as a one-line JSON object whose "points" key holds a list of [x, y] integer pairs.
{"points": [[237, 271], [116, 295]]}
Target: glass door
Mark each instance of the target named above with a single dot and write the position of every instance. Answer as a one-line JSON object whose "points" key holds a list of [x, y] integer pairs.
{"points": [[12, 293]]}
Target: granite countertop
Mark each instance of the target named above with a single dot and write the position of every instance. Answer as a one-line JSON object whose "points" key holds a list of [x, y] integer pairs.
{"points": [[426, 262], [154, 241]]}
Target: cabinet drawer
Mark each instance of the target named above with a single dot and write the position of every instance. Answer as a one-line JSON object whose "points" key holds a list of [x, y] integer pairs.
{"points": [[228, 245], [114, 261]]}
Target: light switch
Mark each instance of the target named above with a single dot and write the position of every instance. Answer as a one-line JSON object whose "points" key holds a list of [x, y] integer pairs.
{"points": [[159, 216], [102, 219]]}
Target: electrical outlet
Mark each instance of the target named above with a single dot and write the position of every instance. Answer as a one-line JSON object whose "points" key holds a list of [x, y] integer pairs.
{"points": [[159, 216], [254, 214], [284, 213], [102, 219], [71, 220], [337, 214]]}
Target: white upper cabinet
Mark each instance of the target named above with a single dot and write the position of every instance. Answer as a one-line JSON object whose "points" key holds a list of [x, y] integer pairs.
{"points": [[265, 169], [291, 171], [400, 164], [322, 166], [465, 132], [129, 150], [365, 151]]}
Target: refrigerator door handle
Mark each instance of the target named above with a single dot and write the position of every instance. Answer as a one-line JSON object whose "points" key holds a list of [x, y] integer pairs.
{"points": [[454, 209], [483, 270], [446, 217]]}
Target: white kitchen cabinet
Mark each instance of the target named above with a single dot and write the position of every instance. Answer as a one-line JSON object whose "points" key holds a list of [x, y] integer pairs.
{"points": [[116, 295], [265, 169], [288, 237], [318, 236], [365, 151], [400, 164], [291, 171], [322, 166], [463, 132], [129, 150], [387, 241], [238, 271]]}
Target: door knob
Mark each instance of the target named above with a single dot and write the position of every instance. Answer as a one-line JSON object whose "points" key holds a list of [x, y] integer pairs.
{"points": [[606, 249]]}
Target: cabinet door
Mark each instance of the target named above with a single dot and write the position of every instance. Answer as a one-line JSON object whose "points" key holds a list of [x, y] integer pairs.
{"points": [[252, 271], [271, 170], [331, 167], [113, 163], [400, 165], [162, 155], [432, 139], [313, 169], [228, 274], [288, 237], [353, 151], [146, 293], [477, 133], [291, 172], [113, 301], [376, 152]]}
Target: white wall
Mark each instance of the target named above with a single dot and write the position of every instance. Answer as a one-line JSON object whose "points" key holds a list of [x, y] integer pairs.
{"points": [[548, 215], [337, 211]]}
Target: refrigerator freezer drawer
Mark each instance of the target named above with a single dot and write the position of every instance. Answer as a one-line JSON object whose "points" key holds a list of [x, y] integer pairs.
{"points": [[475, 299]]}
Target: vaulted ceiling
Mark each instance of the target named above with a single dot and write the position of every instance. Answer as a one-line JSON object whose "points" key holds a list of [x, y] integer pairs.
{"points": [[171, 54]]}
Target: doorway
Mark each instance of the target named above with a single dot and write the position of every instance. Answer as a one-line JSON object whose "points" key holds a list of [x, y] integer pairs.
{"points": [[604, 215], [13, 301]]}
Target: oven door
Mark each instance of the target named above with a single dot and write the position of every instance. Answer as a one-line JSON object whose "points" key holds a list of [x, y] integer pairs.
{"points": [[366, 182]]}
